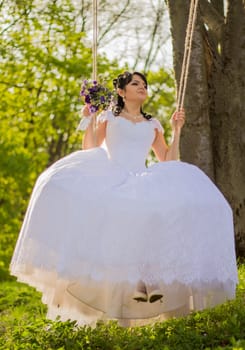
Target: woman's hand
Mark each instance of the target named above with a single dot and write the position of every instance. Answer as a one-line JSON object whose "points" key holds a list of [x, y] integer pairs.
{"points": [[85, 111], [178, 120]]}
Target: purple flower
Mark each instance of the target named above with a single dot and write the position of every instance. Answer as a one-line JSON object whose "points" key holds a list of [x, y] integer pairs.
{"points": [[87, 99], [102, 99], [93, 109], [92, 89], [94, 82]]}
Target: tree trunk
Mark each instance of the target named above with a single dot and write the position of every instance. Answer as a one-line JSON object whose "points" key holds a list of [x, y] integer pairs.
{"points": [[214, 135], [228, 119]]}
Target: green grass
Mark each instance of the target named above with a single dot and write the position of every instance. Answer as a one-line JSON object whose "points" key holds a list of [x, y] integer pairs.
{"points": [[23, 326]]}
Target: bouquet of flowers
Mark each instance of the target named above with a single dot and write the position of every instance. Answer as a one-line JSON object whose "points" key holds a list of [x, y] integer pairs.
{"points": [[96, 95]]}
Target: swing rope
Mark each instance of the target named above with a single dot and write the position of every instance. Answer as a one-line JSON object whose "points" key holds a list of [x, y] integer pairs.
{"points": [[187, 54], [94, 67], [95, 39]]}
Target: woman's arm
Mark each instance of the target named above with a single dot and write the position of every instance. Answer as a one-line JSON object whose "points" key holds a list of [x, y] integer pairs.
{"points": [[93, 139], [159, 146]]}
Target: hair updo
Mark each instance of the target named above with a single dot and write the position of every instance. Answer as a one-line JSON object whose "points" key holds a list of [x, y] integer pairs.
{"points": [[119, 83]]}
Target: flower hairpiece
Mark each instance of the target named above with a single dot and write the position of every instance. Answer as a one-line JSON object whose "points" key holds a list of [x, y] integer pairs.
{"points": [[97, 96]]}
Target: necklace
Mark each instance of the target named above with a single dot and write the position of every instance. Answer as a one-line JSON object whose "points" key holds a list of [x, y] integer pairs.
{"points": [[135, 117]]}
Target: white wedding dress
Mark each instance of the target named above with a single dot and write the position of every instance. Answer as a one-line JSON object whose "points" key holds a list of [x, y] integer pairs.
{"points": [[99, 221]]}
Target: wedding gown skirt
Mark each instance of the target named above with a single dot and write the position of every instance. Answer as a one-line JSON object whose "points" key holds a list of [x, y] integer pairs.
{"points": [[99, 221]]}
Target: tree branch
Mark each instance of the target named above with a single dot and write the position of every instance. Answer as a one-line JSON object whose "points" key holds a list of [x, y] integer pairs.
{"points": [[153, 36], [114, 21]]}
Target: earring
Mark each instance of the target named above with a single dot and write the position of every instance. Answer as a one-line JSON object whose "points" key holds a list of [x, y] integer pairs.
{"points": [[124, 98]]}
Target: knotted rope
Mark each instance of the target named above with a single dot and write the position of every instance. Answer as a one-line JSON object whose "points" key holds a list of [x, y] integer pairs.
{"points": [[187, 54]]}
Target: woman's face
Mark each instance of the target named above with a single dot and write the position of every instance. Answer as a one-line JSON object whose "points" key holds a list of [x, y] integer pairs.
{"points": [[136, 90]]}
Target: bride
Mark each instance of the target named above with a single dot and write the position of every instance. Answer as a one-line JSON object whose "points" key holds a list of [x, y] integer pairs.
{"points": [[105, 237]]}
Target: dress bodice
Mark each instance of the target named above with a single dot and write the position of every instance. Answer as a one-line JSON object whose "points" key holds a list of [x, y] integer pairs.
{"points": [[128, 143]]}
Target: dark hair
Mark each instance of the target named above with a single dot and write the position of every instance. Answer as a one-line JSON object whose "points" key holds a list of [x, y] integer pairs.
{"points": [[119, 83]]}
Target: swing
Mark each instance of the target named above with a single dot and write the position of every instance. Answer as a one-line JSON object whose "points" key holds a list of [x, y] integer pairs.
{"points": [[187, 49]]}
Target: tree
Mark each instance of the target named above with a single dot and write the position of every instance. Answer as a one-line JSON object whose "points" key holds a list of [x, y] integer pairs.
{"points": [[214, 135]]}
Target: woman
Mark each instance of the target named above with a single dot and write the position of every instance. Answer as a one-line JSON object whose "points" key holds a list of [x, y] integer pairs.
{"points": [[105, 237]]}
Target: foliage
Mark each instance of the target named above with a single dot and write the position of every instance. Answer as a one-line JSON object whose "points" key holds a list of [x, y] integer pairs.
{"points": [[23, 326]]}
